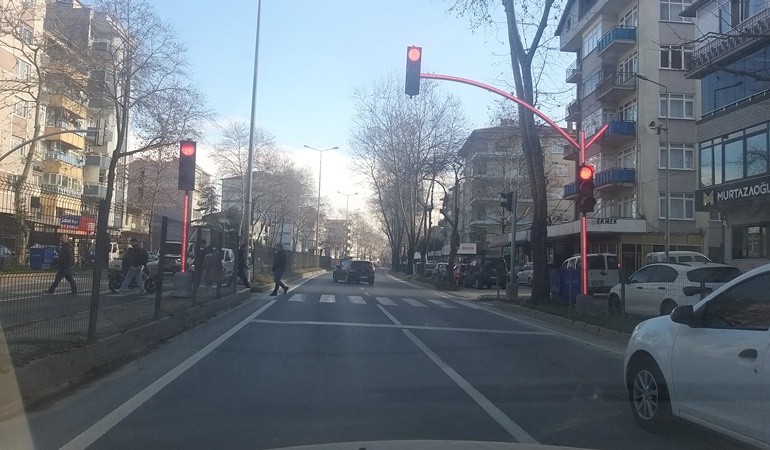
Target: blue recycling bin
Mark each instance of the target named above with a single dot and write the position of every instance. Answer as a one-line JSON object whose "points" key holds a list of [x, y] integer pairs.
{"points": [[36, 256], [560, 283]]}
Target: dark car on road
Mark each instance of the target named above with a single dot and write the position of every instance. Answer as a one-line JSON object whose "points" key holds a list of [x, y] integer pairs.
{"points": [[354, 271], [485, 271]]}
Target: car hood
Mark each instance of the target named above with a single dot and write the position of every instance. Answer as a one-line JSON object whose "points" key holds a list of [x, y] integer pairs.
{"points": [[427, 445]]}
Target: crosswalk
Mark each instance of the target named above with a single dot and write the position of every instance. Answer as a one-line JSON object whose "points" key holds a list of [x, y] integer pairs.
{"points": [[384, 301]]}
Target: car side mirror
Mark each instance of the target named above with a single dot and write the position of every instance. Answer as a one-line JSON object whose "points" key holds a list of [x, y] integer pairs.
{"points": [[683, 314]]}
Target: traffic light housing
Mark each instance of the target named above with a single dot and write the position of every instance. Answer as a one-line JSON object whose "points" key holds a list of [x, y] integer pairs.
{"points": [[507, 202], [585, 181], [187, 151], [413, 62]]}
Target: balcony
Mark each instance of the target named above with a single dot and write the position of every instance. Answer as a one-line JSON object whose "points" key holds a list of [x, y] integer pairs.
{"points": [[572, 112], [483, 199], [574, 72], [64, 102], [719, 50], [571, 152], [100, 161], [619, 131], [615, 43], [53, 189], [67, 158], [615, 179], [616, 85], [98, 190], [70, 139], [570, 190], [484, 223]]}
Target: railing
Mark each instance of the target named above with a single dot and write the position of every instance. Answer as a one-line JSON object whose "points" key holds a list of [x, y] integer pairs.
{"points": [[98, 160], [752, 28], [59, 190], [617, 33], [95, 190], [570, 190], [616, 80], [573, 70], [621, 128], [65, 158], [615, 175], [573, 108]]}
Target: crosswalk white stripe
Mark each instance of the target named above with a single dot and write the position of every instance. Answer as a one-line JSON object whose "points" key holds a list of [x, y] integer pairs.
{"points": [[327, 299], [386, 301], [298, 298], [442, 304], [357, 299], [414, 302], [470, 304]]}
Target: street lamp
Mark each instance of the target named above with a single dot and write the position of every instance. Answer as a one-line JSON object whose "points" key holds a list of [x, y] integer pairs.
{"points": [[347, 217], [668, 162], [247, 214], [318, 206]]}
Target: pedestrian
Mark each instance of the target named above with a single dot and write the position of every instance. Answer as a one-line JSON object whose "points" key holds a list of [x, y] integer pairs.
{"points": [[200, 256], [241, 267], [212, 267], [279, 266], [134, 259], [66, 262]]}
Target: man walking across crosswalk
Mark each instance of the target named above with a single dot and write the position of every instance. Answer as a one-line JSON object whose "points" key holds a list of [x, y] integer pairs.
{"points": [[279, 266]]}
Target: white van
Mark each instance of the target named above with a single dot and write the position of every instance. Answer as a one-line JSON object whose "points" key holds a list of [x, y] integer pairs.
{"points": [[603, 270], [681, 256]]}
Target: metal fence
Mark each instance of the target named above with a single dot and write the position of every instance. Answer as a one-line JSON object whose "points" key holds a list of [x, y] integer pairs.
{"points": [[37, 323]]}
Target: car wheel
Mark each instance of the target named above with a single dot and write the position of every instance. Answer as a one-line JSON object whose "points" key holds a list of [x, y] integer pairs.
{"points": [[613, 305], [149, 284], [667, 306], [648, 395]]}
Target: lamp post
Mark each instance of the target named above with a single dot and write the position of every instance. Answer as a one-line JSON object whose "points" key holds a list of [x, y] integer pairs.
{"points": [[247, 214], [668, 163], [318, 206], [347, 217]]}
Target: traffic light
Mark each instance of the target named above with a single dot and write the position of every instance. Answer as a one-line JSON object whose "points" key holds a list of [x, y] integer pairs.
{"points": [[585, 181], [413, 60], [187, 152], [507, 202]]}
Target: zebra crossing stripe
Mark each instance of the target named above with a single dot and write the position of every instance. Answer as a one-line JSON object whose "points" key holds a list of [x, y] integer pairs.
{"points": [[357, 299], [298, 298], [386, 301], [442, 304], [327, 299], [414, 302]]}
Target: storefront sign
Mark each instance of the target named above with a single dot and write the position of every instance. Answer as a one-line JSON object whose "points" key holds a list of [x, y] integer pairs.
{"points": [[467, 249], [734, 193], [78, 224], [607, 221]]}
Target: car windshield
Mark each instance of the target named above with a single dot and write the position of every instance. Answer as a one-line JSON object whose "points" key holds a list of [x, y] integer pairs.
{"points": [[397, 195]]}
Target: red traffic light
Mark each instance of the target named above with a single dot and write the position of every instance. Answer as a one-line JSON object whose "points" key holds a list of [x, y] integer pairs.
{"points": [[414, 53], [585, 173], [187, 148]]}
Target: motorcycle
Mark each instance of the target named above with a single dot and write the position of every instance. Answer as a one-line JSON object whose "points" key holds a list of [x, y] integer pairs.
{"points": [[117, 277]]}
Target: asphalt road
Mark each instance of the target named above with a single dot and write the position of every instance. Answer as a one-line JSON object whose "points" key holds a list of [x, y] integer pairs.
{"points": [[338, 363]]}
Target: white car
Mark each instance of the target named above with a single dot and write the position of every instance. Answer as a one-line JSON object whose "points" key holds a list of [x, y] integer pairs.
{"points": [[656, 289], [707, 364], [524, 276], [152, 263]]}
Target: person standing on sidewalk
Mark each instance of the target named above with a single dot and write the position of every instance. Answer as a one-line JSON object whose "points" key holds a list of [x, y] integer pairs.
{"points": [[66, 262], [136, 258], [279, 266], [241, 266]]}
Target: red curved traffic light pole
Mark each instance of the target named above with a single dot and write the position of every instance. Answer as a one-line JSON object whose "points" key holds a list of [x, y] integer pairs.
{"points": [[581, 146]]}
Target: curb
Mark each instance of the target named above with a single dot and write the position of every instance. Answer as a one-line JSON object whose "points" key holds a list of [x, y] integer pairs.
{"points": [[42, 378]]}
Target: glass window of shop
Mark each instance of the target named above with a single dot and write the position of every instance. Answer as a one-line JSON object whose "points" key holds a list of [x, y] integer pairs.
{"points": [[743, 154]]}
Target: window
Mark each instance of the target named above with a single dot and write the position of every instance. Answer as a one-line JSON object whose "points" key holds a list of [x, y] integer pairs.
{"points": [[744, 306], [662, 274], [22, 69], [627, 158], [627, 206], [20, 107], [682, 206], [631, 18], [591, 83], [679, 106], [750, 241], [670, 9], [706, 166], [25, 33], [628, 66], [16, 141], [627, 112], [591, 39], [674, 56], [682, 156], [733, 155], [641, 275], [756, 154]]}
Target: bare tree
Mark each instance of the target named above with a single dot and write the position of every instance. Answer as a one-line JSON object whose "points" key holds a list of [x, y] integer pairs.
{"points": [[146, 178], [526, 26], [400, 144]]}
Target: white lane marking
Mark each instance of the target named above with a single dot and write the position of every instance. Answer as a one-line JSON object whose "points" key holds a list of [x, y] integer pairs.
{"points": [[469, 304], [105, 424], [327, 299], [414, 302], [400, 326], [386, 301], [357, 299], [405, 282], [493, 411], [442, 304], [298, 298]]}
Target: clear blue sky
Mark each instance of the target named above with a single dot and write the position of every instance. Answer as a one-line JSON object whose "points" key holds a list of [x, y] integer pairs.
{"points": [[313, 54]]}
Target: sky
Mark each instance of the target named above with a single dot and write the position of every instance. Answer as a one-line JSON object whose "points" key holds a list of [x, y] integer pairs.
{"points": [[313, 54]]}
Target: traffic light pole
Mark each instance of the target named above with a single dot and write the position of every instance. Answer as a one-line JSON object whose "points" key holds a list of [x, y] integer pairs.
{"points": [[513, 286], [583, 226]]}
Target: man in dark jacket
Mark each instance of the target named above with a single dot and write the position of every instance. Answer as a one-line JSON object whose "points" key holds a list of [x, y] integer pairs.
{"points": [[66, 263], [200, 256], [279, 266], [135, 258], [241, 266]]}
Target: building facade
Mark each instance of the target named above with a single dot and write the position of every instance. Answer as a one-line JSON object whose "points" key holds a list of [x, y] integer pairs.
{"points": [[731, 58], [629, 75]]}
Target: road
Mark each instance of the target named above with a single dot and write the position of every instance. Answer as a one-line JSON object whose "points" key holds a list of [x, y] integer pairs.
{"points": [[337, 363]]}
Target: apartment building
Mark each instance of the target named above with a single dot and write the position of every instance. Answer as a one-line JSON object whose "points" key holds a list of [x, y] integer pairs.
{"points": [[494, 164], [629, 75], [730, 57]]}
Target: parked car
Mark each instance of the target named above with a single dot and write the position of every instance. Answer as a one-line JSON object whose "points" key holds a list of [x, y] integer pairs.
{"points": [[656, 289], [675, 256], [485, 271], [441, 270], [430, 269], [116, 265], [228, 262], [603, 270], [706, 363], [459, 273], [524, 276], [354, 271]]}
